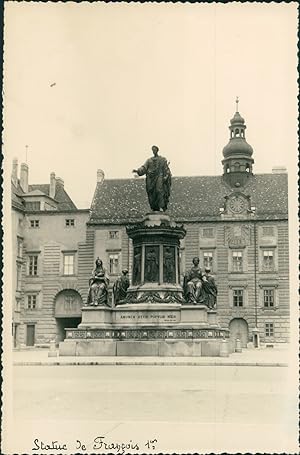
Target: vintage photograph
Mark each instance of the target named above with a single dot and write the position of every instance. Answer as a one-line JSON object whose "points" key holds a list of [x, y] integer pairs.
{"points": [[150, 279]]}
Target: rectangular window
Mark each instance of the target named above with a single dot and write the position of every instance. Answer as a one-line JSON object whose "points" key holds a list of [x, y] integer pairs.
{"points": [[238, 297], [269, 329], [208, 233], [268, 298], [268, 231], [113, 235], [208, 259], [31, 301], [237, 261], [69, 263], [32, 265], [35, 223], [19, 276], [70, 222], [268, 260], [113, 263], [33, 205]]}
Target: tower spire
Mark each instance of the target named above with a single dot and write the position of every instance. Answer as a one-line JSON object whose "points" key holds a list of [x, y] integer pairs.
{"points": [[238, 161]]}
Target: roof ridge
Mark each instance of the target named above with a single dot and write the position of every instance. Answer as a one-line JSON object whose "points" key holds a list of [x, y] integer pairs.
{"points": [[173, 177]]}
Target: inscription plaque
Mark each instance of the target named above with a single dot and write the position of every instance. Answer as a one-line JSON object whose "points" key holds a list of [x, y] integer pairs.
{"points": [[139, 317]]}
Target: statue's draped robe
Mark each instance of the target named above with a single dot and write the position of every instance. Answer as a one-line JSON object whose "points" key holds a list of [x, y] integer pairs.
{"points": [[120, 288], [192, 285], [98, 291], [158, 182], [210, 291]]}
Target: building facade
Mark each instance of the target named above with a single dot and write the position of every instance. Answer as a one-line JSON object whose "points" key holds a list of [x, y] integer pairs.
{"points": [[237, 223], [48, 235]]}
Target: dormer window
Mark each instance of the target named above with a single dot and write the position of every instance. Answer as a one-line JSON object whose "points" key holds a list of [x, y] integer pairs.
{"points": [[33, 205]]}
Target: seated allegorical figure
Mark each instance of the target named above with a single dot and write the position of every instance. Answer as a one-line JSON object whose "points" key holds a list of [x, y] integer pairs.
{"points": [[120, 287], [192, 284], [98, 285], [210, 289]]}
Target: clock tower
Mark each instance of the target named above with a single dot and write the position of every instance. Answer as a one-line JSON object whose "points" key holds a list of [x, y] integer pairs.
{"points": [[238, 161]]}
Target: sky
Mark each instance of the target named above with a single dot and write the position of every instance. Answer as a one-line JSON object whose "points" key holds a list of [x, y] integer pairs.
{"points": [[94, 85]]}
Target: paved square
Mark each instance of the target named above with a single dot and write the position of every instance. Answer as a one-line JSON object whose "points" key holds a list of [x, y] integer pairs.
{"points": [[186, 408]]}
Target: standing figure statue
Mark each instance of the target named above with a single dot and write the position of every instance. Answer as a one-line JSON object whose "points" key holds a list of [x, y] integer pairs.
{"points": [[210, 289], [169, 266], [192, 283], [98, 290], [136, 273], [120, 287], [151, 266], [158, 180]]}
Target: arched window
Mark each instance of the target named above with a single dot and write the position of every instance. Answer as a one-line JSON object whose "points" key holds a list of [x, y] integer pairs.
{"points": [[237, 166], [237, 132]]}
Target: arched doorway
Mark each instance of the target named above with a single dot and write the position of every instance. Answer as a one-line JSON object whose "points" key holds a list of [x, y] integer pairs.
{"points": [[239, 329], [67, 311]]}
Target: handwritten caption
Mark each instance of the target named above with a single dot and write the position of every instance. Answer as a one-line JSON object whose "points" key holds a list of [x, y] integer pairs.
{"points": [[98, 443]]}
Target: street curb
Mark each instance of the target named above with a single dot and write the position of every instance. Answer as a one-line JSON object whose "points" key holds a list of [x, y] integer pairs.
{"points": [[157, 363]]}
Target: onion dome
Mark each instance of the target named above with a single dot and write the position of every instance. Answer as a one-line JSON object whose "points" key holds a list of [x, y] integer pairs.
{"points": [[237, 146], [237, 119], [237, 153]]}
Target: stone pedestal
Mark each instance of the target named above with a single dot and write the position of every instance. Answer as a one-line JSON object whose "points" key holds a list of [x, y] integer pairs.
{"points": [[153, 319], [155, 271], [154, 329], [95, 316]]}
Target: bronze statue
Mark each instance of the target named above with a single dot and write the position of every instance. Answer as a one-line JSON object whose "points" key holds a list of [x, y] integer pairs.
{"points": [[120, 287], [210, 289], [158, 180], [152, 265], [169, 265], [192, 284], [98, 285], [136, 274]]}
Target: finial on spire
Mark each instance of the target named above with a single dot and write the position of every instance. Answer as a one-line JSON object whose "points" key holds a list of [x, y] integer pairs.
{"points": [[237, 103]]}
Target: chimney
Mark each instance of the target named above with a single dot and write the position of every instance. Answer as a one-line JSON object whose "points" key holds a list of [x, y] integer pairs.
{"points": [[24, 177], [279, 170], [52, 185], [60, 181], [100, 176], [14, 174]]}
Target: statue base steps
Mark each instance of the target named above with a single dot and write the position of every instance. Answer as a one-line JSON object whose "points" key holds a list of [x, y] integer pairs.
{"points": [[161, 348], [147, 330]]}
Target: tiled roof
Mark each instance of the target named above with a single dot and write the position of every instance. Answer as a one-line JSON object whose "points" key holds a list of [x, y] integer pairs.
{"points": [[16, 197], [192, 198], [61, 196]]}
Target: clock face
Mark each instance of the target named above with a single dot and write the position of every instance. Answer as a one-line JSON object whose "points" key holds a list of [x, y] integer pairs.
{"points": [[237, 204]]}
